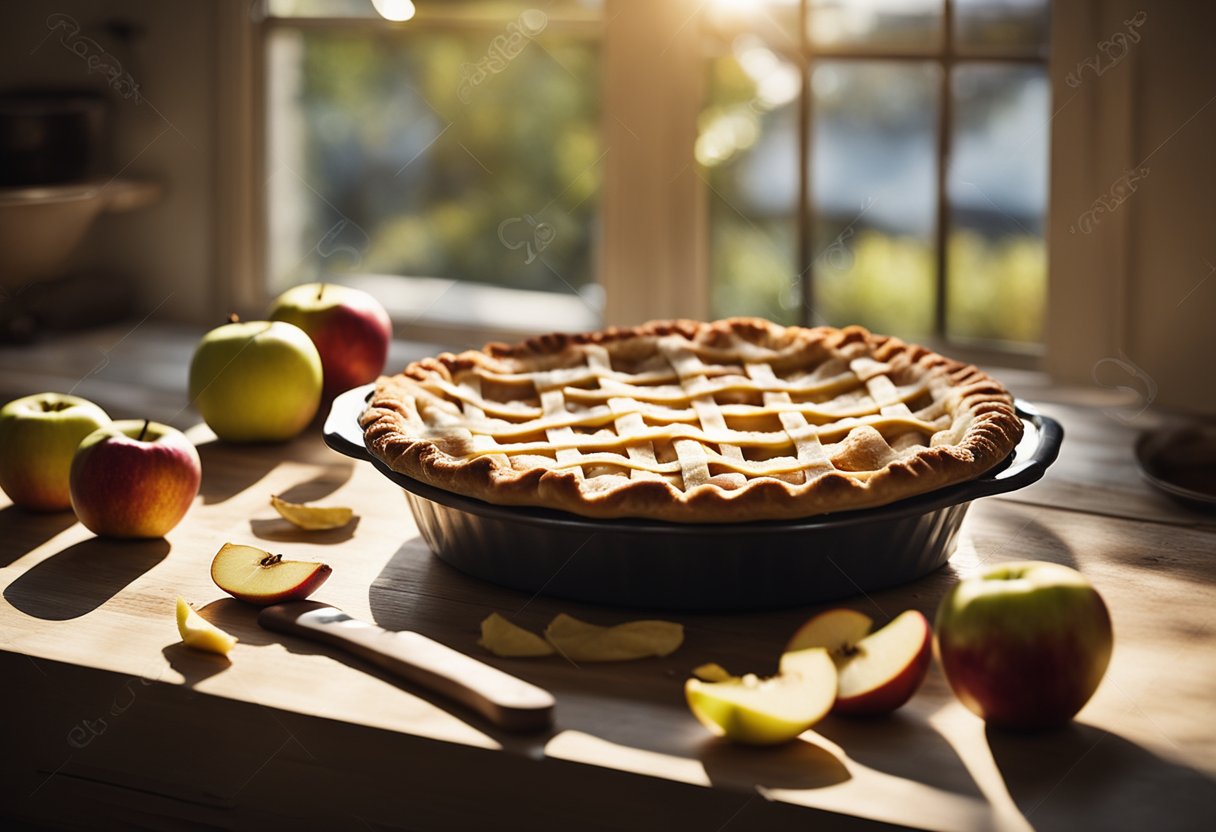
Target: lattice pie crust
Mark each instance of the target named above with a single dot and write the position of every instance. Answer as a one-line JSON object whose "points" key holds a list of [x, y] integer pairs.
{"points": [[692, 422]]}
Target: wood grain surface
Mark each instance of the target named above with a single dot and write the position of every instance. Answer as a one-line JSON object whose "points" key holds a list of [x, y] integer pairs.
{"points": [[106, 712]]}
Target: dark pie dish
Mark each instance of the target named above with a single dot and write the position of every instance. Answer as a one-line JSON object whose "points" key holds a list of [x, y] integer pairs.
{"points": [[678, 566]]}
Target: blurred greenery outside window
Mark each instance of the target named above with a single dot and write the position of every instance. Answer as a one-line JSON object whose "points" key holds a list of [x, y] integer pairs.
{"points": [[924, 124], [458, 150], [889, 156]]}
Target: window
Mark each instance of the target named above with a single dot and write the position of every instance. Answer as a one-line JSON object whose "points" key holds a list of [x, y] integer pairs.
{"points": [[457, 153], [881, 162], [874, 161]]}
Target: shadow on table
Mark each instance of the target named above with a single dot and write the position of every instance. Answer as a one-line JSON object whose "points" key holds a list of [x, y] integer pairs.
{"points": [[24, 531], [1015, 533], [241, 620], [194, 665], [82, 577], [417, 591], [1082, 777], [872, 741], [278, 530], [230, 469], [795, 765], [321, 486]]}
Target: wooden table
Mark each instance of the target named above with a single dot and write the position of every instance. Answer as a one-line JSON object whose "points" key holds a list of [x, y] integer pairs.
{"points": [[107, 715]]}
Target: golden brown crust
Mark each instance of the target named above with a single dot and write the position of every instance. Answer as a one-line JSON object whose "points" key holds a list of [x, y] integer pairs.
{"points": [[424, 422]]}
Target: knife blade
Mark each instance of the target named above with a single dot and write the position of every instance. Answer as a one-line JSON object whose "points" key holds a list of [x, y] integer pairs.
{"points": [[508, 702]]}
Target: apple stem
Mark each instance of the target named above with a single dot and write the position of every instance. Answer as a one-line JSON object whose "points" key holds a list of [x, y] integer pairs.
{"points": [[270, 560], [143, 431], [320, 291], [234, 318]]}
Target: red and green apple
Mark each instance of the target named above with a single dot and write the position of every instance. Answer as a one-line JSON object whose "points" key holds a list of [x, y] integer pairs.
{"points": [[256, 381], [38, 436], [1024, 645], [350, 328], [134, 478]]}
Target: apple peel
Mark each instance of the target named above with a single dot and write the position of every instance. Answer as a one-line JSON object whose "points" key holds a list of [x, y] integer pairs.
{"points": [[201, 634], [712, 672], [510, 641], [582, 642], [312, 518]]}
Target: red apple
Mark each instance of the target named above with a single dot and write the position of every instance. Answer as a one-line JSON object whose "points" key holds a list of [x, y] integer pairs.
{"points": [[38, 437], [350, 328], [258, 577], [1024, 645], [134, 479], [877, 672]]}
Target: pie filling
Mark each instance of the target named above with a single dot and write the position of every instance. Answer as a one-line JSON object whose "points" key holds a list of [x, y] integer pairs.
{"points": [[729, 421]]}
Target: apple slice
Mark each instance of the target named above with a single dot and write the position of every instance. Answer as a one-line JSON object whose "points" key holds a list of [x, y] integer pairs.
{"points": [[199, 633], [312, 518], [877, 672], [579, 641], [258, 577], [758, 711], [502, 638]]}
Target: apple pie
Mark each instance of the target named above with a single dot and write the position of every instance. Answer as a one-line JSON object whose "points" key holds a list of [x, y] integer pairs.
{"points": [[691, 422]]}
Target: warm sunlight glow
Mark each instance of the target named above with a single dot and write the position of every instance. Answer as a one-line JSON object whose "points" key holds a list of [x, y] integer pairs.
{"points": [[397, 10]]}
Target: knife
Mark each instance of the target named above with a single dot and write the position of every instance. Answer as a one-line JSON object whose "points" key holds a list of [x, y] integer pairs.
{"points": [[508, 702]]}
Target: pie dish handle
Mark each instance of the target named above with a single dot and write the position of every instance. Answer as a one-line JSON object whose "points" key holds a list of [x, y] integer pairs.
{"points": [[1038, 449], [341, 431]]}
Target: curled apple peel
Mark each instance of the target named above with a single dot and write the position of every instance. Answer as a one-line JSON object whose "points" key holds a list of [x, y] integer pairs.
{"points": [[312, 518], [583, 642], [579, 641], [502, 638]]}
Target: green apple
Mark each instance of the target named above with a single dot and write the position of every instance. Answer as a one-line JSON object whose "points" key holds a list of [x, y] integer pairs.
{"points": [[134, 478], [755, 711], [350, 328], [256, 381], [1024, 645], [38, 435]]}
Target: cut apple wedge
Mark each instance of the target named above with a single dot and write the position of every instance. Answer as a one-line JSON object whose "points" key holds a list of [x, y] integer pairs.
{"points": [[312, 518], [757, 711], [877, 672], [199, 633], [258, 577]]}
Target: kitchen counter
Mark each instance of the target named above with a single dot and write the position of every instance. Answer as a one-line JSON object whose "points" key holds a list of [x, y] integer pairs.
{"points": [[107, 715]]}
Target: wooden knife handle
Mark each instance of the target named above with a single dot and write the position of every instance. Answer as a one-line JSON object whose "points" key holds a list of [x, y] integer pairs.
{"points": [[508, 702]]}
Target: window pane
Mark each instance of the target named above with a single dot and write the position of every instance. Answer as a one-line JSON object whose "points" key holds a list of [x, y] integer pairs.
{"points": [[424, 9], [386, 155], [873, 184], [904, 25], [997, 266], [1008, 26], [747, 149]]}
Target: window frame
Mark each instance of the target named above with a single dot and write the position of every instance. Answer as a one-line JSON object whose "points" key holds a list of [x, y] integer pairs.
{"points": [[633, 245]]}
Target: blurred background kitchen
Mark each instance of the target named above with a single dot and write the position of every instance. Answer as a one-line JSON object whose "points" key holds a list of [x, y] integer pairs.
{"points": [[1021, 183]]}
